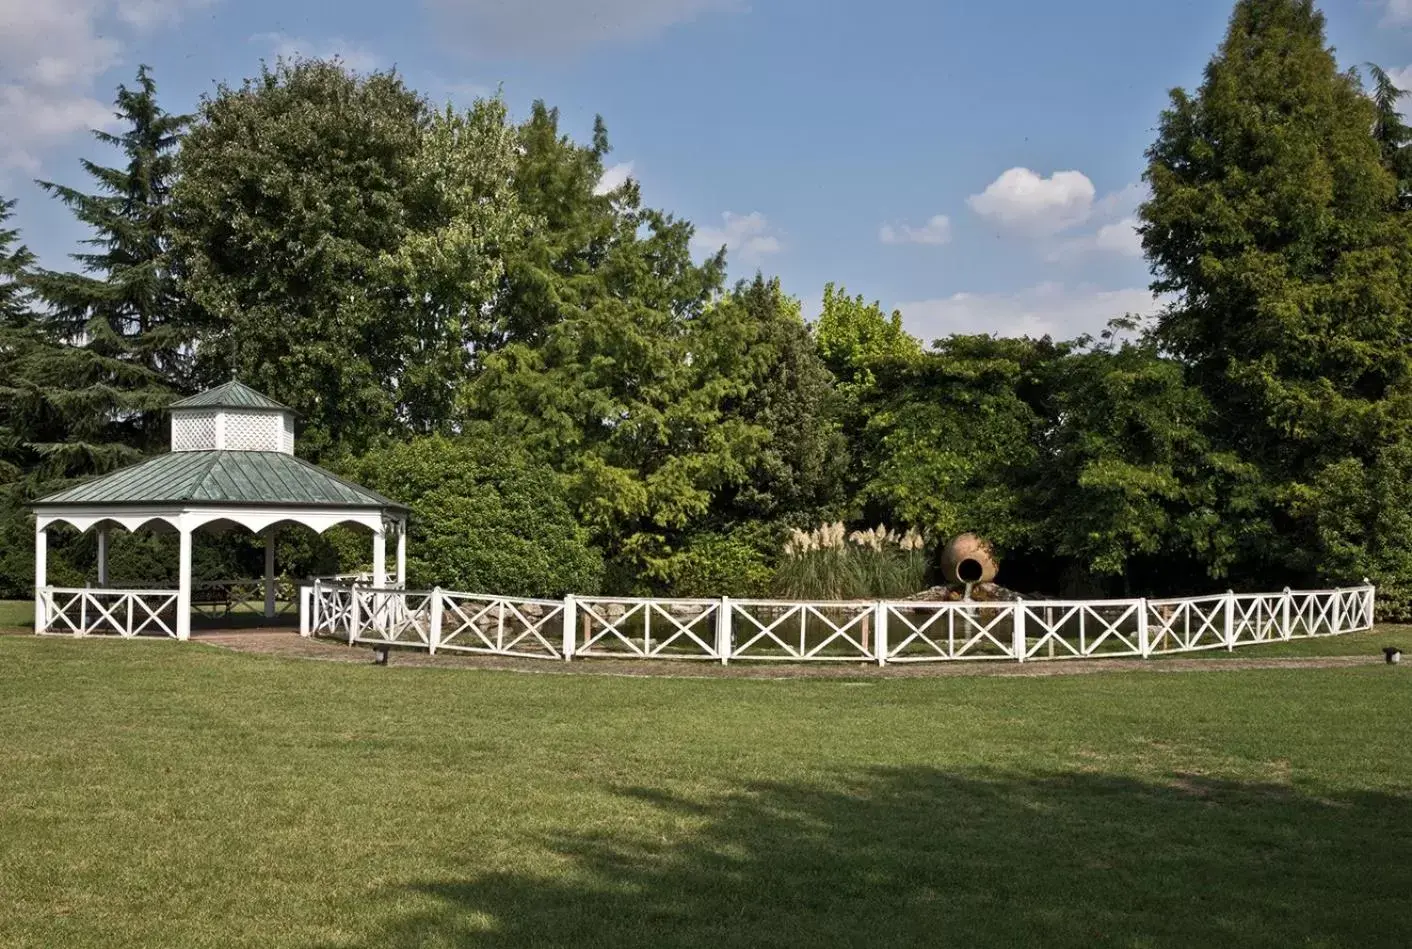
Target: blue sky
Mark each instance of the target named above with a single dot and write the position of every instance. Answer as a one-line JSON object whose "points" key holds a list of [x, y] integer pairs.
{"points": [[975, 164]]}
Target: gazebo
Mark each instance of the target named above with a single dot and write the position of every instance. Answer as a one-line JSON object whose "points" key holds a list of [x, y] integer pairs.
{"points": [[231, 462]]}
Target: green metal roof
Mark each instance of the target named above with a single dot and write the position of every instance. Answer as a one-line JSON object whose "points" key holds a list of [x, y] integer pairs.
{"points": [[232, 395], [220, 478]]}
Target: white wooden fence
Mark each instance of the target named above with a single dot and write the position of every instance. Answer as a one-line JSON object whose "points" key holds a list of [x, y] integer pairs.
{"points": [[726, 629], [104, 612]]}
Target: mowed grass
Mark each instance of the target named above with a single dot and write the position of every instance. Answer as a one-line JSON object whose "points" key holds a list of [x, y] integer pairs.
{"points": [[1366, 643], [16, 614], [160, 794]]}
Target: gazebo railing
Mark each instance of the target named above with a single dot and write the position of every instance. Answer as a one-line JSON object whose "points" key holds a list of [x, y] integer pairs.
{"points": [[99, 612]]}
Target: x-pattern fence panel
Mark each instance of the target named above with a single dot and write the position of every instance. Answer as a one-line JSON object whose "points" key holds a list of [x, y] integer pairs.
{"points": [[1257, 618], [934, 632], [1070, 629], [777, 629], [125, 613], [1186, 625], [501, 625], [332, 606], [392, 617], [632, 627], [1357, 610]]}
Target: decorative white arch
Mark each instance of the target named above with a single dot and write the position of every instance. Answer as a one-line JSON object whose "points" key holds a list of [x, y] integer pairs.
{"points": [[185, 520]]}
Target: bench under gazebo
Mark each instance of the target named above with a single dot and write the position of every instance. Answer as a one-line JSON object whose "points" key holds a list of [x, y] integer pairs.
{"points": [[231, 463]]}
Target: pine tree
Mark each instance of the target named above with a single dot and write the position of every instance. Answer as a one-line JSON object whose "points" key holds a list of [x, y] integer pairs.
{"points": [[121, 328], [1391, 132], [17, 339]]}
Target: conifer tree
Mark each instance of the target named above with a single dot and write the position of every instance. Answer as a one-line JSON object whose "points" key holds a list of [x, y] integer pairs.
{"points": [[121, 332], [1392, 132], [17, 338], [1273, 222]]}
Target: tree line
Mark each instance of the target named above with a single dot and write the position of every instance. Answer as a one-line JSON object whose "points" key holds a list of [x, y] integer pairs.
{"points": [[465, 318]]}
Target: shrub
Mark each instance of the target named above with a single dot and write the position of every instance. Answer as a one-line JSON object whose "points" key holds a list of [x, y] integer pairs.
{"points": [[485, 518], [732, 563]]}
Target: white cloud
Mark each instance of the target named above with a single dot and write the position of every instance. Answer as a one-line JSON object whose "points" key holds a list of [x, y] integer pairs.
{"points": [[1119, 238], [514, 27], [747, 237], [51, 55], [1023, 201], [355, 57], [1050, 309], [1398, 13], [148, 14], [937, 230], [1115, 222], [614, 178]]}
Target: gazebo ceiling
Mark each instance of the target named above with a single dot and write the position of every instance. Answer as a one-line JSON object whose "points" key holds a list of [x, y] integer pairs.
{"points": [[223, 479]]}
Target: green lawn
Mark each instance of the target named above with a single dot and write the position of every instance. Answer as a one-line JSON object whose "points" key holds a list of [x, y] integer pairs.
{"points": [[1368, 643], [160, 794], [16, 614]]}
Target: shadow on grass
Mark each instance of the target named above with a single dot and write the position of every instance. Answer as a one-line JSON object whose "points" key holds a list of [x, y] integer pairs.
{"points": [[919, 857]]}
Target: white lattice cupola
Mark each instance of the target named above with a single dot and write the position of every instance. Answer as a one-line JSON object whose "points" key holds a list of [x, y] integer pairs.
{"points": [[232, 417]]}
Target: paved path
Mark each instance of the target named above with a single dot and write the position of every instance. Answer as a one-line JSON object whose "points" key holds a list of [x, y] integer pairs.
{"points": [[288, 644]]}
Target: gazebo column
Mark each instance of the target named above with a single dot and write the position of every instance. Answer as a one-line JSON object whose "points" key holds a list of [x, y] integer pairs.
{"points": [[379, 600], [402, 555], [379, 558], [270, 573], [102, 557], [183, 617], [41, 578]]}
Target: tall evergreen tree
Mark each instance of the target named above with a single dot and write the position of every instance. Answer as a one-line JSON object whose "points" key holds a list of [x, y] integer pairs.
{"points": [[18, 338], [1273, 223], [15, 263], [799, 473], [120, 327], [616, 368], [1392, 132]]}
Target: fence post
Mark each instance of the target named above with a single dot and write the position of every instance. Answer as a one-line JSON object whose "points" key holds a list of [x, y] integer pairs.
{"points": [[1144, 647], [352, 613], [1230, 620], [1338, 611], [570, 626], [723, 630], [1365, 621], [435, 631], [306, 611], [880, 640], [1018, 642], [1286, 601]]}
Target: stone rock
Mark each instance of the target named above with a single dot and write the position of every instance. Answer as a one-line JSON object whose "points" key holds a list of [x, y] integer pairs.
{"points": [[980, 593]]}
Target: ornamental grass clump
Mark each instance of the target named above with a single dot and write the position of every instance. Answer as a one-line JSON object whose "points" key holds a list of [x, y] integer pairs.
{"points": [[828, 563]]}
